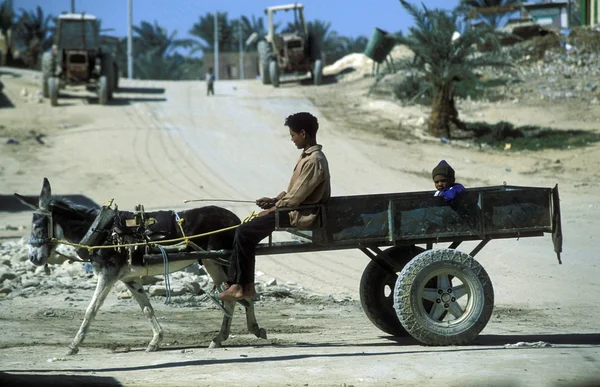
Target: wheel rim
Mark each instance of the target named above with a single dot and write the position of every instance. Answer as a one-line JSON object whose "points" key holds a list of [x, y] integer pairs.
{"points": [[446, 297]]}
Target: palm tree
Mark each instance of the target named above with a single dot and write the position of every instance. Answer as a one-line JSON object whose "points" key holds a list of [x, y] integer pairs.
{"points": [[250, 26], [357, 44], [493, 20], [156, 39], [7, 21], [31, 35], [204, 32], [442, 60]]}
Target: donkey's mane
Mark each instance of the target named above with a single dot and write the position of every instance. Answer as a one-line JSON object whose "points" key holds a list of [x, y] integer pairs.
{"points": [[79, 209]]}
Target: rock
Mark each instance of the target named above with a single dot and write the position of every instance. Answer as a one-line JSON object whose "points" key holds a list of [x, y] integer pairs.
{"points": [[6, 275], [5, 290], [192, 287], [124, 294], [271, 282]]}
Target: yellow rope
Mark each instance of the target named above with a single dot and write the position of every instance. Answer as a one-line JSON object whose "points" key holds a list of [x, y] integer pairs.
{"points": [[186, 238]]}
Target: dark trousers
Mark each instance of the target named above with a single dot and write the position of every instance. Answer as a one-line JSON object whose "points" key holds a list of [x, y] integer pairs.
{"points": [[243, 258], [210, 88]]}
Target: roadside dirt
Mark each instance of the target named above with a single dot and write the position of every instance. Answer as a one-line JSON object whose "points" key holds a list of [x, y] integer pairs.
{"points": [[160, 143]]}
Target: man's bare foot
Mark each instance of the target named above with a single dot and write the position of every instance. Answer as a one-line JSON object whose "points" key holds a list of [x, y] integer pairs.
{"points": [[234, 292]]}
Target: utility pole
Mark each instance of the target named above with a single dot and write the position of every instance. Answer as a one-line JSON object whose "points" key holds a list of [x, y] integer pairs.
{"points": [[241, 50], [130, 41], [216, 53], [72, 6]]}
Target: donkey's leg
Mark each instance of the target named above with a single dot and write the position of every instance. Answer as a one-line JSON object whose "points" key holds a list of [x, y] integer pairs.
{"points": [[137, 290], [251, 322], [225, 326], [105, 283]]}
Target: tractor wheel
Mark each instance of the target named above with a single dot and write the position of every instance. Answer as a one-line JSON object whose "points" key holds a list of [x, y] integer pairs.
{"points": [[103, 90], [264, 54], [115, 84], [47, 67], [443, 297], [274, 73], [318, 72], [53, 90]]}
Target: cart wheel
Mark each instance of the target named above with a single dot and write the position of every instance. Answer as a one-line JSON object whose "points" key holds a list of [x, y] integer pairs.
{"points": [[443, 297], [53, 90], [377, 291]]}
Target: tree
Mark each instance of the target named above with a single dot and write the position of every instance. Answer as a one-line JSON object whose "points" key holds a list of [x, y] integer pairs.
{"points": [[493, 20], [32, 35], [441, 59], [250, 26], [7, 21], [156, 39], [204, 32]]}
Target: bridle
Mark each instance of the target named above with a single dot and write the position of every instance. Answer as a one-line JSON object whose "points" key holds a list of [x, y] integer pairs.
{"points": [[48, 240]]}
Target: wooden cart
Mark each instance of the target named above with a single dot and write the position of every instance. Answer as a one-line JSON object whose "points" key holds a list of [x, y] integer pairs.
{"points": [[439, 296]]}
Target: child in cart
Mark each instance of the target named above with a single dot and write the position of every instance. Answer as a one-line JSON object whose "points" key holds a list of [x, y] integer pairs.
{"points": [[445, 182]]}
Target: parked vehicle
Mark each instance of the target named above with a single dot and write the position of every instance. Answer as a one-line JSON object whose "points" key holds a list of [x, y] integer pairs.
{"points": [[295, 52], [76, 59]]}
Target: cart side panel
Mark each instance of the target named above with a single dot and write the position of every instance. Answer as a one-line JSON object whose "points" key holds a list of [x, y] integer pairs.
{"points": [[353, 218], [432, 217], [517, 210]]}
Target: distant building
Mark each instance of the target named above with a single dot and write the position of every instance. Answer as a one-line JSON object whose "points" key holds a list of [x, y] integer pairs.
{"points": [[554, 14], [590, 12], [229, 64]]}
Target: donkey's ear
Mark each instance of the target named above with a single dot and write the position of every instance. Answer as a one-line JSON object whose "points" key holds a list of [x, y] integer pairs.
{"points": [[31, 203], [45, 194]]}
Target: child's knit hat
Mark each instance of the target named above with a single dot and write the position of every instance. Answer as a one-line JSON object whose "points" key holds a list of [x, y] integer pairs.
{"points": [[443, 168]]}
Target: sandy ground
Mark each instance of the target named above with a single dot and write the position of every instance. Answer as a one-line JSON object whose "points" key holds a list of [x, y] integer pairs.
{"points": [[160, 143]]}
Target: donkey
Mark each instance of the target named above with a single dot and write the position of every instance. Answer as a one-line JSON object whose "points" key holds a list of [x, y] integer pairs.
{"points": [[57, 218]]}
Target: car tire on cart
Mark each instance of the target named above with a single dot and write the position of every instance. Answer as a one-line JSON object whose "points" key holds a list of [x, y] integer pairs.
{"points": [[377, 290], [443, 297]]}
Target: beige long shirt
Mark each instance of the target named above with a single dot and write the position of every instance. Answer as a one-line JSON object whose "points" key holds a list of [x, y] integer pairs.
{"points": [[310, 184]]}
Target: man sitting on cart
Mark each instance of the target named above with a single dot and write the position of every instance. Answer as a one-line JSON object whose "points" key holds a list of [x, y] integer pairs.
{"points": [[309, 185]]}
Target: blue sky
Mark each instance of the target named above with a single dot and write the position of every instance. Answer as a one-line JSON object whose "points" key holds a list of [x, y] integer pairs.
{"points": [[348, 17]]}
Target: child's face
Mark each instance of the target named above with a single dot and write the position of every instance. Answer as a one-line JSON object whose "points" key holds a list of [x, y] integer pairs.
{"points": [[441, 182]]}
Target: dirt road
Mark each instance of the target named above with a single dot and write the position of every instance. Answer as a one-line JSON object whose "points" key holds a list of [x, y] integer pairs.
{"points": [[160, 143]]}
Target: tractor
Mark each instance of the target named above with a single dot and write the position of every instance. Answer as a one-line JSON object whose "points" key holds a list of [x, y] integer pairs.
{"points": [[77, 59], [293, 52]]}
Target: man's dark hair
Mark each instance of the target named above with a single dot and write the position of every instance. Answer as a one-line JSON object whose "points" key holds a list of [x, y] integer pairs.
{"points": [[303, 120]]}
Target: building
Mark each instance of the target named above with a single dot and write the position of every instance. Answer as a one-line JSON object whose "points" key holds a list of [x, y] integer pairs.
{"points": [[589, 12], [229, 64], [552, 14]]}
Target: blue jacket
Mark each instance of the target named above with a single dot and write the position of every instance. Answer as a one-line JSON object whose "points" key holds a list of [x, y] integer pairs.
{"points": [[451, 193]]}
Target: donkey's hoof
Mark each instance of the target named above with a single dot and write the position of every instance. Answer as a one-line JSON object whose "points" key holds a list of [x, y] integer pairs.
{"points": [[152, 348], [214, 344], [262, 333], [72, 351]]}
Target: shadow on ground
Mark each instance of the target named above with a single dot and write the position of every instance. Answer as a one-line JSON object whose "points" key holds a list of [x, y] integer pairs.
{"points": [[55, 380]]}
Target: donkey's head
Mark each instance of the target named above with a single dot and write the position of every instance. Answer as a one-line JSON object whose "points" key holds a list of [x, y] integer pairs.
{"points": [[43, 230]]}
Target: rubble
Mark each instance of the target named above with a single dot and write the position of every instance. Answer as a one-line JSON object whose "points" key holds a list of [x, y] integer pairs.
{"points": [[20, 278]]}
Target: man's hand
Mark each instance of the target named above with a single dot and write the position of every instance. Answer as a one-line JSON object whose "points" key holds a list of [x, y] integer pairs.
{"points": [[265, 212], [266, 203]]}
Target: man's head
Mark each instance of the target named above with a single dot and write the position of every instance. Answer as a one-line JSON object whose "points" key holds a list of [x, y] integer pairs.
{"points": [[303, 129], [443, 175]]}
